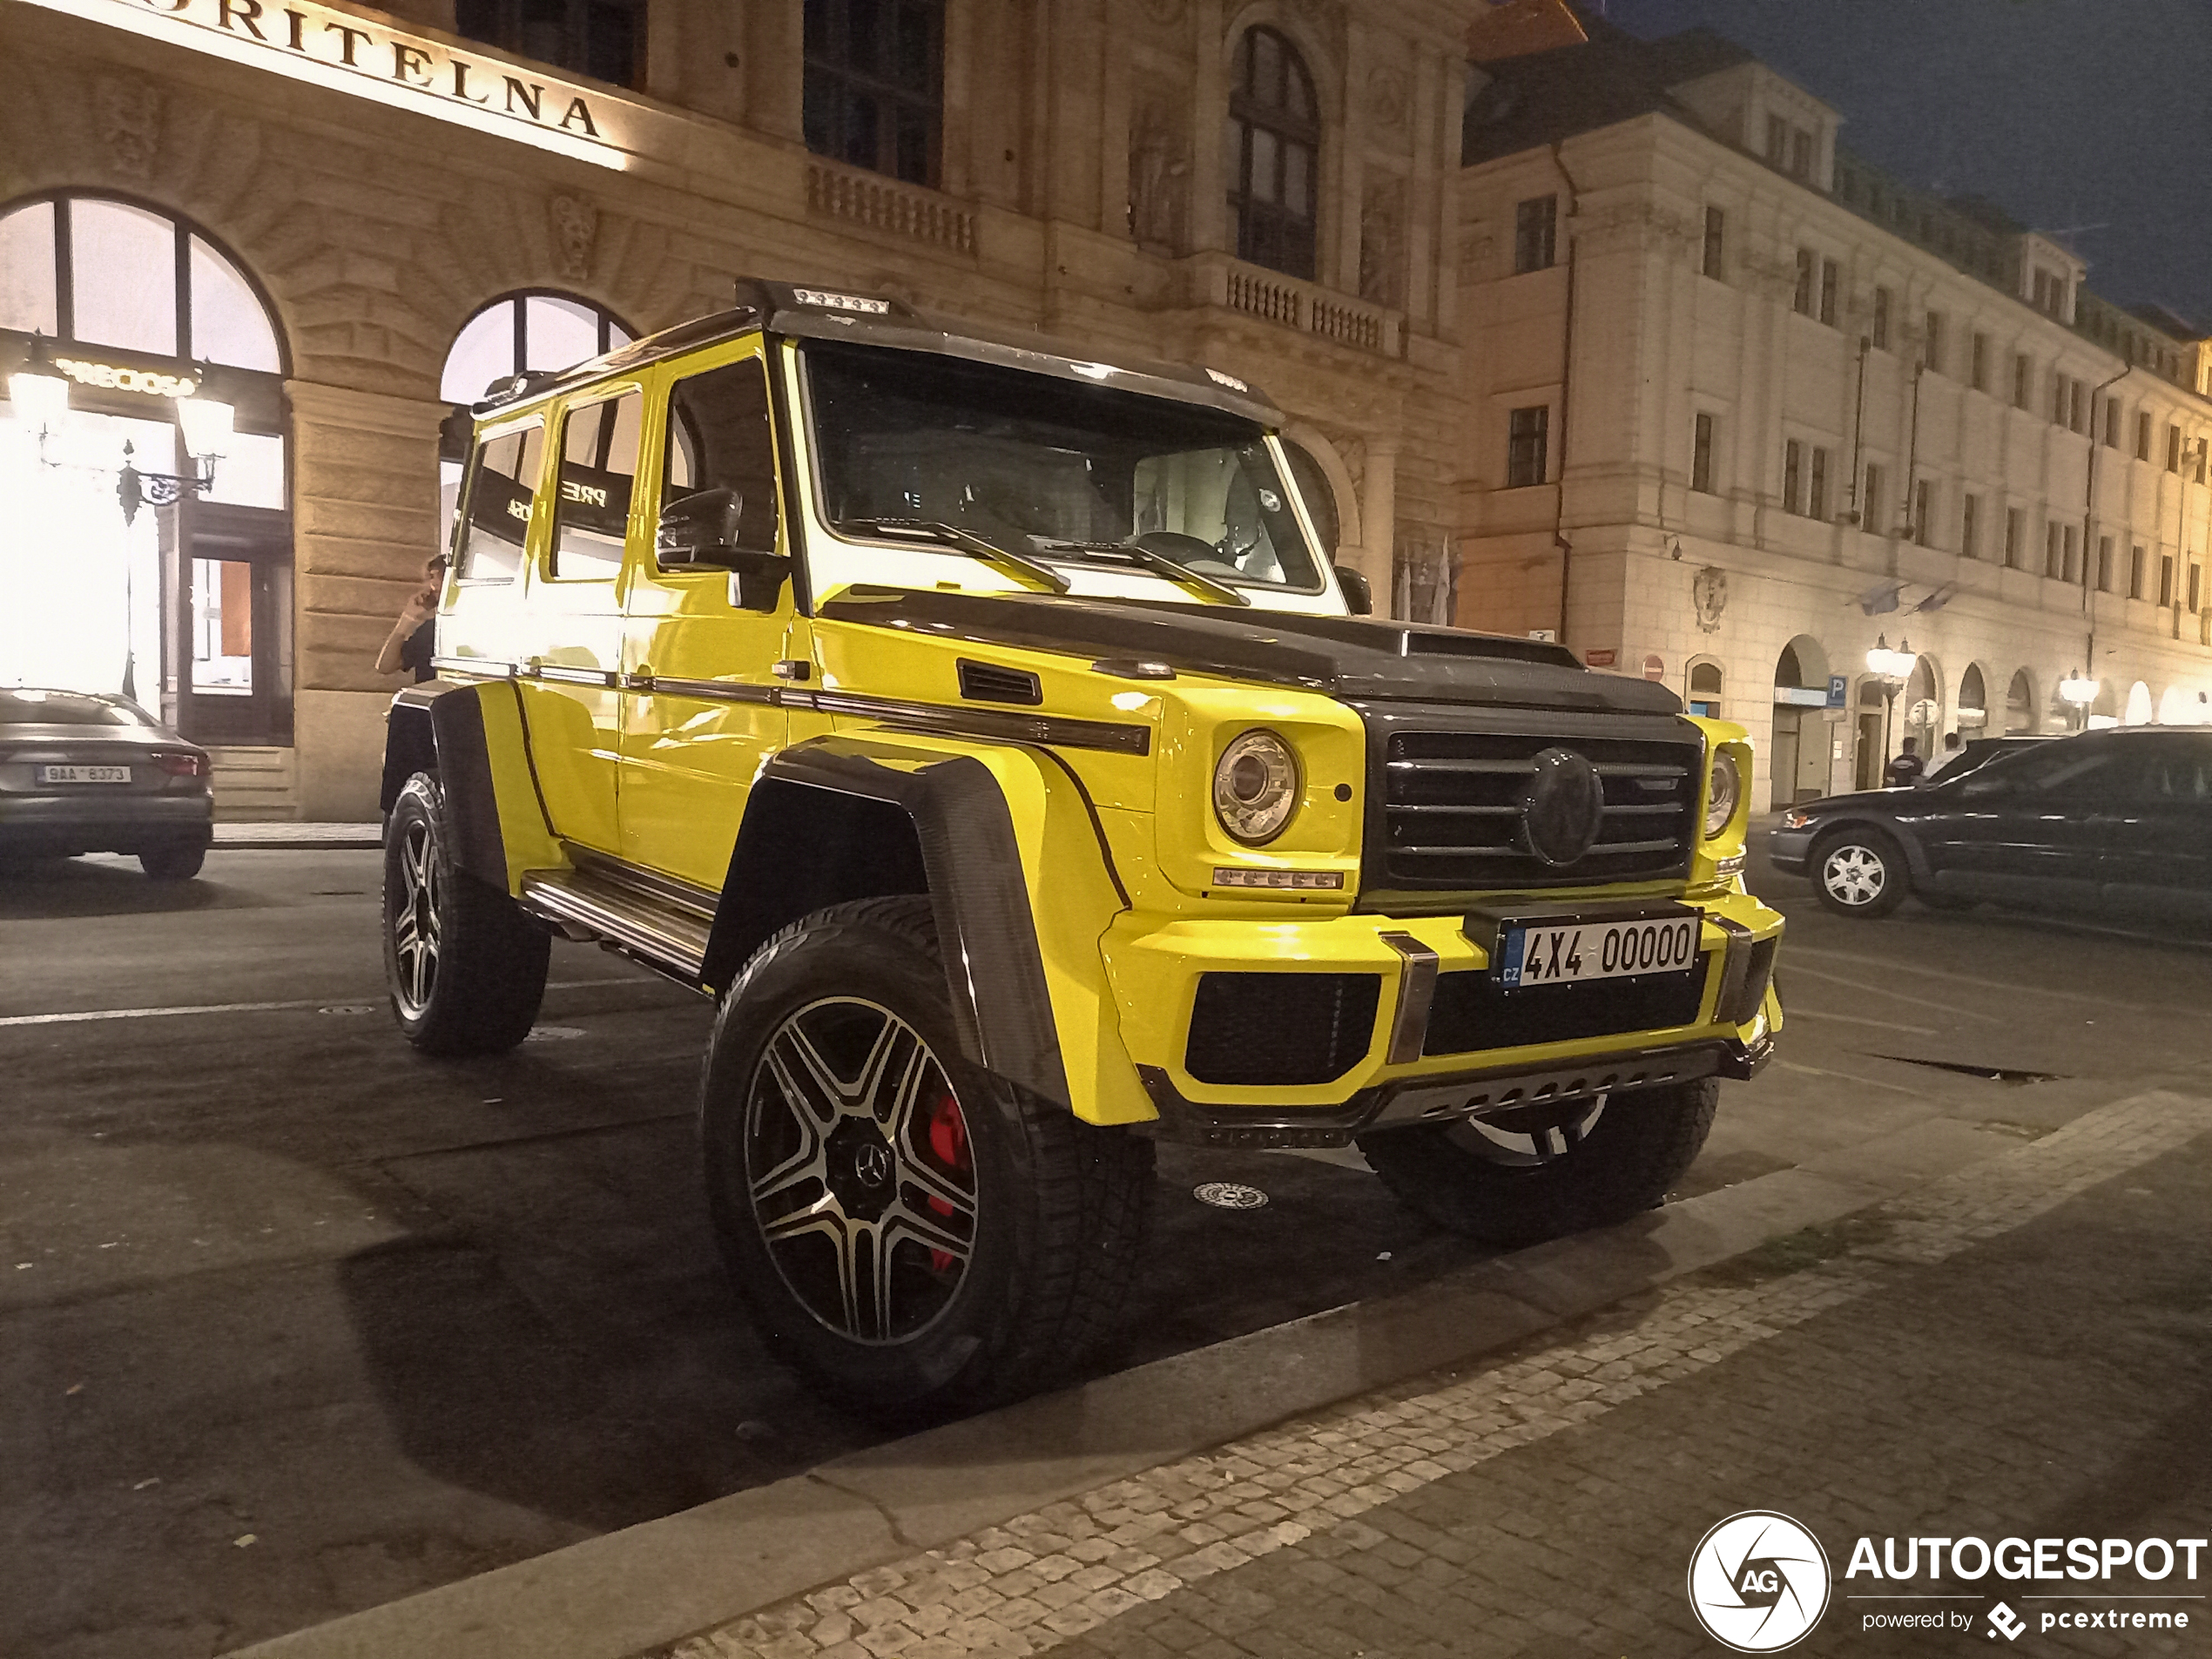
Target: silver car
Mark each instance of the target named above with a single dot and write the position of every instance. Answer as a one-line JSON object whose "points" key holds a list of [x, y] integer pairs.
{"points": [[83, 773]]}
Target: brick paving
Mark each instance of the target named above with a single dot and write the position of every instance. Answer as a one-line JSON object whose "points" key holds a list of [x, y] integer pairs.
{"points": [[2021, 1348]]}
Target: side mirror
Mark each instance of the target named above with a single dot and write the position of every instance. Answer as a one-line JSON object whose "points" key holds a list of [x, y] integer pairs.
{"points": [[717, 529], [713, 528], [1357, 594]]}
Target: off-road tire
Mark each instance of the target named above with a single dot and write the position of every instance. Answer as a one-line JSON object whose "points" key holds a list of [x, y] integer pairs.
{"points": [[1061, 1207], [173, 863], [1639, 1146], [481, 991], [1844, 859]]}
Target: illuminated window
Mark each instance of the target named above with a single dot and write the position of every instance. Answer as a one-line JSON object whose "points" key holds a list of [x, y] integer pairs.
{"points": [[874, 91], [1271, 150], [527, 332]]}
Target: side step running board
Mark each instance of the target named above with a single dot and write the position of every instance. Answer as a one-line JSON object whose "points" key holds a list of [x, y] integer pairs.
{"points": [[669, 935]]}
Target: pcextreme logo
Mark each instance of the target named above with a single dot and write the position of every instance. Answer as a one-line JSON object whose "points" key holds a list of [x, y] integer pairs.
{"points": [[1758, 1581]]}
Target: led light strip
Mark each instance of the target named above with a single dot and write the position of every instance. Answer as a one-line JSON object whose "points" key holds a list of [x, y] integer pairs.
{"points": [[1227, 876]]}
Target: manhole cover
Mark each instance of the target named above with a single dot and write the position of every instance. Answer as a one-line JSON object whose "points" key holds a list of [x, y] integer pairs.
{"points": [[349, 1007], [1231, 1195], [553, 1033]]}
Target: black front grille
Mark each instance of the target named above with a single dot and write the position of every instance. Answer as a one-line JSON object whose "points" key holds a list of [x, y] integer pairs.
{"points": [[1451, 811], [1280, 1028], [1470, 1012]]}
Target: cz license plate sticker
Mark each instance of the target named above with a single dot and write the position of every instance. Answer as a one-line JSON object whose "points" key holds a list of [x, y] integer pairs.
{"points": [[84, 774], [1574, 951]]}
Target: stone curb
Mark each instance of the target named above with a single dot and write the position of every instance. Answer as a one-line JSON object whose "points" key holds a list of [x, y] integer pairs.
{"points": [[655, 1583], [251, 837]]}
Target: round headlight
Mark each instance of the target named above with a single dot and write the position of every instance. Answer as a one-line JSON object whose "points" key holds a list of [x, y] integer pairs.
{"points": [[1725, 784], [1256, 787]]}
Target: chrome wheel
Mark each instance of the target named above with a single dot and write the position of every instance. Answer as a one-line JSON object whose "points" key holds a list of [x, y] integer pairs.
{"points": [[416, 928], [1854, 874], [859, 1169], [1526, 1137]]}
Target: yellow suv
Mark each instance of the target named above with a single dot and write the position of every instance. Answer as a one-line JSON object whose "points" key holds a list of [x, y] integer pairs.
{"points": [[986, 730]]}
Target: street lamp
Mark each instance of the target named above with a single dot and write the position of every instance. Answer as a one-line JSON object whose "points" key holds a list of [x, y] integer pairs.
{"points": [[206, 425], [2080, 693], [1892, 668]]}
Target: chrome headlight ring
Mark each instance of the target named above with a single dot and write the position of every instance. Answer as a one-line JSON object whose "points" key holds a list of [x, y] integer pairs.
{"points": [[1723, 788], [1256, 787]]}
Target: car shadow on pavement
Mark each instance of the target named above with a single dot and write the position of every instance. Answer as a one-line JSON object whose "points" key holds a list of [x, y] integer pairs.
{"points": [[62, 889]]}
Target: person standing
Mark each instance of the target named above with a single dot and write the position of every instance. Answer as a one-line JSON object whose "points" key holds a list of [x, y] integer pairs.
{"points": [[1905, 771], [1951, 752], [412, 640]]}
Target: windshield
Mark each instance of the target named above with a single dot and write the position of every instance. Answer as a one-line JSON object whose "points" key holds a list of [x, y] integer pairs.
{"points": [[1049, 469], [25, 707]]}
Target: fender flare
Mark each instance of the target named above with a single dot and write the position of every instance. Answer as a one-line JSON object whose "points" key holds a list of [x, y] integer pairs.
{"points": [[438, 728], [971, 862]]}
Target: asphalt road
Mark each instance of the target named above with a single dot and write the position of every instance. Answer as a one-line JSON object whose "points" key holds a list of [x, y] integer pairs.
{"points": [[293, 1322]]}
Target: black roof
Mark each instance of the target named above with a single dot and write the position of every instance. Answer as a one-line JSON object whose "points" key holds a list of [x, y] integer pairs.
{"points": [[826, 313]]}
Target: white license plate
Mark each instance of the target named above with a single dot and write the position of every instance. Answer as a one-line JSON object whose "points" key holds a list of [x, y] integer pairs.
{"points": [[1570, 952], [84, 774]]}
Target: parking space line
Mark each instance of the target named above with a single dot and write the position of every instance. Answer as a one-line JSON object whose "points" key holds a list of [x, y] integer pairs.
{"points": [[1887, 965], [1797, 968], [85, 1016], [1853, 1019]]}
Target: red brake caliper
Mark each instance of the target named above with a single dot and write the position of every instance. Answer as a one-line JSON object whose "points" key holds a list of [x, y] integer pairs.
{"points": [[948, 1140]]}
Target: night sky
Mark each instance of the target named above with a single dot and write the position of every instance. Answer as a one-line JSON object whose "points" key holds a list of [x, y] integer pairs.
{"points": [[2090, 118]]}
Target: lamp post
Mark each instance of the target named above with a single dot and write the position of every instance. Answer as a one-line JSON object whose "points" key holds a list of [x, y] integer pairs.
{"points": [[206, 425], [1892, 668], [2079, 693]]}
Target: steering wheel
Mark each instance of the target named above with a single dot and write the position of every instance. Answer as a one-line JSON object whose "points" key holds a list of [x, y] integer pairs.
{"points": [[1191, 552]]}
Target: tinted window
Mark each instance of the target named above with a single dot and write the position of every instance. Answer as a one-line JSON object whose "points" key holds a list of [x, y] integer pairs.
{"points": [[718, 436], [67, 708], [2056, 770], [2178, 771], [501, 495], [598, 466]]}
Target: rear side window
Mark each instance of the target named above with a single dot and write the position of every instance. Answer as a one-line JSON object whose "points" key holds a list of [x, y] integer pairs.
{"points": [[598, 466], [502, 488], [719, 438]]}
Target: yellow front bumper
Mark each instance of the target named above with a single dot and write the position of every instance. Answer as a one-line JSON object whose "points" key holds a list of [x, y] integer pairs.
{"points": [[1154, 965]]}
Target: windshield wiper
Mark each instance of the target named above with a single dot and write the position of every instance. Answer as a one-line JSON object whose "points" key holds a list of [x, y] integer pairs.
{"points": [[1161, 564], [967, 541]]}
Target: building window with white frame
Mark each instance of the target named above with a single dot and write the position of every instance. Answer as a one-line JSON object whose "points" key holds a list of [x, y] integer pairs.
{"points": [[1527, 433], [1271, 142], [1535, 233]]}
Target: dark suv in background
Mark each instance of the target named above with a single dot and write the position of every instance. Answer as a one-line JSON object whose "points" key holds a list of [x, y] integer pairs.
{"points": [[2114, 822]]}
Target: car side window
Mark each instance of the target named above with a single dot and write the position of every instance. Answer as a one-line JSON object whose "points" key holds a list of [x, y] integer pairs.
{"points": [[719, 437], [502, 489], [598, 468], [2178, 775], [2057, 771]]}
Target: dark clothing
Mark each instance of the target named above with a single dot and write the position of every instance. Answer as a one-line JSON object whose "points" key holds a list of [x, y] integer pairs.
{"points": [[1905, 770], [416, 653]]}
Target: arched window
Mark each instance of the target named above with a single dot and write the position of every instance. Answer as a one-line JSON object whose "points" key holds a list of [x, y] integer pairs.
{"points": [[1270, 146], [176, 587], [874, 91], [2020, 703], [1974, 698], [1705, 689], [525, 331]]}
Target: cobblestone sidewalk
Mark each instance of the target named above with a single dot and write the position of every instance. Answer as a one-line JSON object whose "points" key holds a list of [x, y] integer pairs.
{"points": [[1354, 1530]]}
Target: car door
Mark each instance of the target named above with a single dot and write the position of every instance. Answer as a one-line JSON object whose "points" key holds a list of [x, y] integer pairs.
{"points": [[2158, 853], [2030, 830], [571, 676], [703, 642]]}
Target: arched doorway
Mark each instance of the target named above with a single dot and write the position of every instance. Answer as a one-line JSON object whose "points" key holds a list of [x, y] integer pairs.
{"points": [[1801, 745], [1972, 713], [153, 455], [2181, 706], [1873, 726], [2020, 708], [515, 334], [1920, 708], [2139, 705]]}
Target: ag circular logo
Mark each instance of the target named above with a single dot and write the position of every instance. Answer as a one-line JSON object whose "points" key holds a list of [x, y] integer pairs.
{"points": [[1563, 808], [1758, 1581]]}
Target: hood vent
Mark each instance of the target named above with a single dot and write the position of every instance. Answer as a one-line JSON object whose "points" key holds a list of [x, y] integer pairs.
{"points": [[989, 683]]}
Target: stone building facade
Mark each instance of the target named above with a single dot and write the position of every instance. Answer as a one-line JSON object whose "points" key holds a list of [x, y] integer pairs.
{"points": [[1737, 407], [390, 187]]}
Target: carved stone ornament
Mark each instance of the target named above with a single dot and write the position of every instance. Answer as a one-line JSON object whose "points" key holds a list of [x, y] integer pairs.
{"points": [[1382, 243], [1388, 99], [576, 227], [1159, 174], [1708, 592], [128, 112]]}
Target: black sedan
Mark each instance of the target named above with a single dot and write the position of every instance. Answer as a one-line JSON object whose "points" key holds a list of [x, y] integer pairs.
{"points": [[82, 772], [2110, 823]]}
